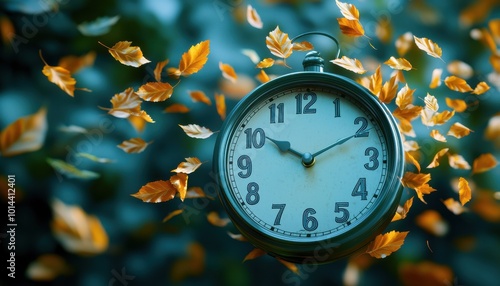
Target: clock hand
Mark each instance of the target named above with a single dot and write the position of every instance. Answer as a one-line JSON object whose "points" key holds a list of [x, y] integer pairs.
{"points": [[338, 142], [285, 146]]}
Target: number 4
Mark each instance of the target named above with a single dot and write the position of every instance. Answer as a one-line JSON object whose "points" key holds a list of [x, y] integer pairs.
{"points": [[360, 189]]}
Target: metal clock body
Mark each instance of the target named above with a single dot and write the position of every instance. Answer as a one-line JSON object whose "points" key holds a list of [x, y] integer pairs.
{"points": [[309, 166]]}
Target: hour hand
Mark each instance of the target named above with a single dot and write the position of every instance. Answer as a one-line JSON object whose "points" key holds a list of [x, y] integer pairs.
{"points": [[285, 146]]}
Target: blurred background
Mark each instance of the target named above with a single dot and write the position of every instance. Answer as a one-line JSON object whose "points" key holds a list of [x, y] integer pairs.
{"points": [[137, 248]]}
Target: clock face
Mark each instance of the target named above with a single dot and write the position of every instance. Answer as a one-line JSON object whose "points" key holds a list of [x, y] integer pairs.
{"points": [[308, 162]]}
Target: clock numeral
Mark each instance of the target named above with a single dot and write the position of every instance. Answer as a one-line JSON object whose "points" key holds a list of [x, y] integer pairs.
{"points": [[281, 112], [255, 138], [340, 207], [307, 108], [336, 103], [373, 153], [361, 131], [245, 164], [253, 196], [360, 189], [309, 222], [281, 208]]}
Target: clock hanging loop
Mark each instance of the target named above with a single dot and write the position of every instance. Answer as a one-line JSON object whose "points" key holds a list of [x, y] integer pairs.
{"points": [[313, 60]]}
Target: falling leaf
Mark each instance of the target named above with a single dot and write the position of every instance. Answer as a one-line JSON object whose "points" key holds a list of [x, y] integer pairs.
{"points": [[389, 91], [384, 29], [196, 131], [179, 181], [415, 180], [492, 131], [439, 155], [375, 81], [399, 64], [481, 88], [428, 46], [238, 237], [255, 253], [263, 77], [93, 158], [228, 72], [483, 163], [422, 190], [77, 231], [291, 266], [402, 212], [192, 265], [47, 267], [251, 54], [134, 145], [349, 11], [458, 130], [200, 96], [71, 171], [279, 44], [265, 63], [194, 59], [196, 192], [410, 159], [73, 129], [487, 205], [26, 134], [404, 43], [126, 54], [73, 64], [59, 76], [155, 91], [171, 215], [457, 84], [353, 65], [437, 136], [191, 164], [464, 191], [460, 69], [432, 222], [125, 104], [176, 108], [220, 104], [156, 192], [159, 69], [436, 78], [253, 18], [302, 46], [459, 105], [215, 220], [351, 27], [97, 27], [431, 103], [385, 244], [427, 273], [137, 122], [7, 30], [404, 97], [456, 161], [454, 206]]}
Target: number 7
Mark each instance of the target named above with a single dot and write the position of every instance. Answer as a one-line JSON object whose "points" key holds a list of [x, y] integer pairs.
{"points": [[281, 208]]}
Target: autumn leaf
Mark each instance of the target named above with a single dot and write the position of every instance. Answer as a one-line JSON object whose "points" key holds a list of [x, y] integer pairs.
{"points": [[431, 103], [404, 97], [7, 30], [156, 192], [279, 44], [436, 78], [302, 46], [404, 43], [402, 212], [196, 192], [70, 171], [428, 46], [196, 131], [194, 59], [351, 28], [47, 267], [458, 130], [251, 54], [171, 215], [59, 76], [134, 145], [97, 27], [26, 134], [483, 163], [125, 104], [353, 65], [192, 265], [291, 266], [200, 96], [439, 155], [255, 253], [457, 161], [437, 136], [399, 64], [426, 273], [253, 18], [349, 11], [389, 91], [176, 108], [459, 105], [432, 222], [179, 181], [454, 206], [263, 77], [238, 237], [410, 159], [385, 244], [159, 69], [375, 81], [415, 180], [93, 158], [228, 72], [220, 104], [464, 191], [481, 88], [188, 167], [155, 91], [126, 54], [73, 64], [77, 231], [457, 84], [215, 220]]}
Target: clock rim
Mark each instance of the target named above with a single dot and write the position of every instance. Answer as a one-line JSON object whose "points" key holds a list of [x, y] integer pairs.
{"points": [[336, 245]]}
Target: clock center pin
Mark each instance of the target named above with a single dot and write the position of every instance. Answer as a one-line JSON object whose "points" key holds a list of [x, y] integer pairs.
{"points": [[308, 160]]}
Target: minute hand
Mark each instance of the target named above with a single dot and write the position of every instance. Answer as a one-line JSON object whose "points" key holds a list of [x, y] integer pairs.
{"points": [[339, 142]]}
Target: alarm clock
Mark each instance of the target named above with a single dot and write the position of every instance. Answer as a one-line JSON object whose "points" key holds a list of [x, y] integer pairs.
{"points": [[309, 164]]}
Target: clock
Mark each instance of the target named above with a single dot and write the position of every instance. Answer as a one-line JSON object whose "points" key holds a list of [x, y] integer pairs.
{"points": [[309, 165]]}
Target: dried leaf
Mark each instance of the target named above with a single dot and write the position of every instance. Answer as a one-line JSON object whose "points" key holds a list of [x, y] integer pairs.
{"points": [[159, 69], [26, 134], [389, 91], [200, 96], [255, 253], [458, 130], [458, 105], [291, 266], [464, 191], [404, 43], [425, 189], [137, 122], [385, 244], [73, 64], [196, 131], [349, 11], [436, 78], [220, 104], [375, 81], [156, 192], [71, 171], [415, 180], [351, 28], [486, 204], [410, 159], [492, 131], [428, 46], [125, 104], [427, 273], [353, 65], [171, 215], [279, 44], [238, 237], [155, 91], [228, 72], [215, 220], [439, 155], [251, 54], [402, 212], [176, 108], [179, 181], [97, 27], [302, 46], [77, 231], [263, 77], [454, 206], [194, 59], [59, 76], [457, 84], [47, 267], [134, 145], [93, 158], [126, 54], [460, 69], [188, 167], [404, 97], [399, 64], [432, 222], [253, 18], [265, 63], [431, 103], [458, 162], [196, 192], [483, 163], [481, 88], [437, 136]]}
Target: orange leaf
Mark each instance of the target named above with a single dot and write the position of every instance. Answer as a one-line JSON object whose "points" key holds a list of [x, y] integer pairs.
{"points": [[432, 221], [214, 219], [155, 91], [404, 43], [431, 103], [251, 54], [353, 65], [458, 162], [427, 273], [399, 64], [437, 136], [196, 131], [265, 63], [291, 266], [492, 131], [413, 180], [59, 76], [436, 78], [255, 253], [279, 44], [349, 11], [171, 215], [302, 46], [196, 192], [402, 212], [176, 108], [439, 155], [179, 181], [188, 167], [409, 113], [464, 191], [200, 96], [428, 46], [7, 30], [460, 69], [238, 237], [228, 72], [126, 54], [263, 77], [375, 81], [458, 105], [385, 244], [47, 267], [404, 97], [425, 189], [156, 192], [481, 88], [454, 206], [194, 59], [26, 134], [134, 145], [388, 91], [410, 159], [457, 84], [73, 64], [220, 104], [458, 130], [350, 27], [253, 18], [158, 69], [125, 104], [484, 163]]}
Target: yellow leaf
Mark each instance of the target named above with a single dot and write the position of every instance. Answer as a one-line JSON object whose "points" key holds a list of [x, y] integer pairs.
{"points": [[125, 104], [302, 46], [484, 163], [265, 63], [253, 18], [255, 253], [456, 161], [228, 72], [458, 130], [437, 136], [404, 43], [375, 81], [441, 118], [495, 62], [191, 164], [398, 64], [176, 108], [464, 191], [349, 11], [251, 54], [415, 180], [353, 65], [492, 131], [428, 46], [279, 44], [47, 267], [291, 266], [486, 204], [238, 237], [404, 97], [385, 244], [460, 69], [156, 192], [436, 78], [200, 96], [59, 76], [388, 91], [215, 220], [459, 105], [71, 171], [77, 231], [74, 64], [220, 104], [126, 54], [159, 69], [26, 134], [93, 158], [263, 77], [432, 222], [431, 103], [439, 155], [194, 59], [196, 131], [179, 181], [350, 27], [196, 192], [410, 159], [454, 206], [384, 29], [422, 190], [457, 84], [402, 212], [171, 215], [155, 91], [134, 145], [481, 88], [409, 113]]}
